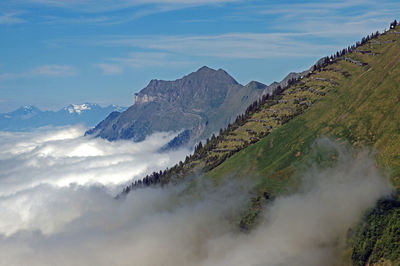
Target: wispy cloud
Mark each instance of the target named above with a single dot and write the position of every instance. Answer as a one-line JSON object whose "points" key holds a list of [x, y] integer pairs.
{"points": [[11, 18], [116, 65], [329, 18], [54, 71], [108, 18], [231, 45], [92, 19], [104, 6], [299, 30], [105, 12], [109, 69], [42, 71]]}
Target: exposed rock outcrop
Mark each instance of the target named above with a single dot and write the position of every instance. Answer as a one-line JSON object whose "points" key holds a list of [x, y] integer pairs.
{"points": [[199, 104]]}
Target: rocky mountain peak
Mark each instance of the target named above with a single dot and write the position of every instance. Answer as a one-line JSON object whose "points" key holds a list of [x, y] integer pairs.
{"points": [[201, 97], [205, 69], [256, 85], [201, 84]]}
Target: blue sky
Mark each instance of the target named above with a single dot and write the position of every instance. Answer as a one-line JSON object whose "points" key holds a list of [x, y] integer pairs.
{"points": [[57, 52]]}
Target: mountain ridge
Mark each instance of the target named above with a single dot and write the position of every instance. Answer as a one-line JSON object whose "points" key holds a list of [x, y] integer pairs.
{"points": [[29, 117], [199, 103], [352, 97]]}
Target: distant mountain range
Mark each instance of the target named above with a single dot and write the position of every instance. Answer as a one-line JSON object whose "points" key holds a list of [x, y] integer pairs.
{"points": [[30, 117], [200, 103]]}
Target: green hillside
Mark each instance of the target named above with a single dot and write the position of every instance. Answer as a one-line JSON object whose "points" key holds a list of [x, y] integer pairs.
{"points": [[363, 109], [341, 99], [353, 97]]}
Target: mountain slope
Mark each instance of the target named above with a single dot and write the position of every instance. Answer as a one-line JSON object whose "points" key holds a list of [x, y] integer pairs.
{"points": [[29, 117], [190, 102], [201, 102], [342, 99], [353, 97], [363, 108]]}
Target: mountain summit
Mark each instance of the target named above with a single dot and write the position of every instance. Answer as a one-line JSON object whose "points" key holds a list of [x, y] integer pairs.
{"points": [[197, 90], [201, 103], [351, 97]]}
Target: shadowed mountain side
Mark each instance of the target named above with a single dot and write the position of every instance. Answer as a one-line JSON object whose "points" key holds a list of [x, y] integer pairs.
{"points": [[200, 103]]}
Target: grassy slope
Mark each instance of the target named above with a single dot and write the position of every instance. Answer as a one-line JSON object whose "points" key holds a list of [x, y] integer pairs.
{"points": [[235, 103], [256, 124], [360, 104], [363, 109], [344, 100]]}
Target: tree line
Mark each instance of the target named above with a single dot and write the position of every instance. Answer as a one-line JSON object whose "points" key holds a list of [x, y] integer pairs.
{"points": [[201, 150]]}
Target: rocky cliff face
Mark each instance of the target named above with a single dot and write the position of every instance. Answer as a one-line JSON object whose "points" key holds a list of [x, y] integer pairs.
{"points": [[144, 98], [186, 103], [196, 90], [201, 102]]}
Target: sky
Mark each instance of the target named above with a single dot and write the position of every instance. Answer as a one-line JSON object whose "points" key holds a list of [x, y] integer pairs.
{"points": [[57, 52]]}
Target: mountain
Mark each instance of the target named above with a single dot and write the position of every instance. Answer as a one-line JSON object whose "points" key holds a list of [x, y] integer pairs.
{"points": [[29, 117], [353, 96], [200, 103]]}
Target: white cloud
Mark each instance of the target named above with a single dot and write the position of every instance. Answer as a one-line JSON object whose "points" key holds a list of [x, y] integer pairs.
{"points": [[230, 45], [10, 76], [117, 65], [61, 157], [103, 12], [54, 71], [301, 30], [148, 59], [36, 166], [10, 18], [333, 19], [95, 6], [109, 69], [51, 223], [42, 71]]}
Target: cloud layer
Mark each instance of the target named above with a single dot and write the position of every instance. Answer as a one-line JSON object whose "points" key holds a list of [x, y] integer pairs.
{"points": [[57, 208], [35, 167]]}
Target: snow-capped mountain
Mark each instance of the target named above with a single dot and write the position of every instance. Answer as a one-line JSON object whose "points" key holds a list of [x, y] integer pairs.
{"points": [[85, 107], [30, 117], [78, 108]]}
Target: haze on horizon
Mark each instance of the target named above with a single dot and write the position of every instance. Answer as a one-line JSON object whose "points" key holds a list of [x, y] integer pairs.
{"points": [[54, 53]]}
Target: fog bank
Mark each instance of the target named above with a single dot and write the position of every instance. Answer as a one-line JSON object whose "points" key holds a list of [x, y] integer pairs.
{"points": [[82, 224], [42, 169]]}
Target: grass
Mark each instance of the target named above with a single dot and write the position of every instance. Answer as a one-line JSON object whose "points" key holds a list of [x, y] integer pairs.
{"points": [[363, 109], [345, 101]]}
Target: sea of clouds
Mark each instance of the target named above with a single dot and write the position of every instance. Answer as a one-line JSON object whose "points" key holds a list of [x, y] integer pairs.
{"points": [[40, 170], [58, 207]]}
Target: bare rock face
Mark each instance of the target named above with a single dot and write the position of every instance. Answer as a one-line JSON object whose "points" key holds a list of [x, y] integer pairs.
{"points": [[201, 102], [143, 99], [185, 103]]}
